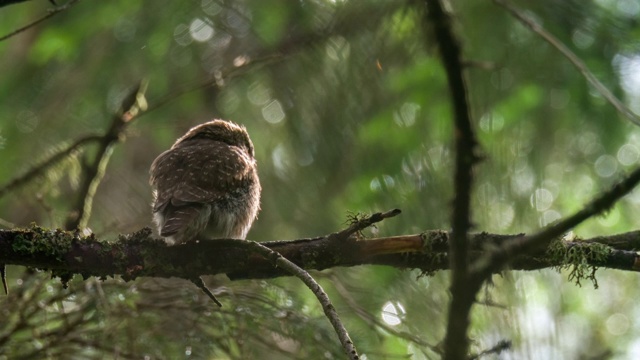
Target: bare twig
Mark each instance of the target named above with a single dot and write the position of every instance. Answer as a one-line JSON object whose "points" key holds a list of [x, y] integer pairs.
{"points": [[50, 13], [3, 275], [278, 260], [573, 59], [501, 346], [202, 286], [462, 297], [364, 223]]}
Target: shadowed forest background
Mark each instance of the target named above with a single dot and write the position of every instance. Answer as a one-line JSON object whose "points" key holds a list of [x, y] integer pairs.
{"points": [[349, 111]]}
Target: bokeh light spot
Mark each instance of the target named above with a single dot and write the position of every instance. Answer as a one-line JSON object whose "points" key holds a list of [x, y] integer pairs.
{"points": [[628, 154], [392, 313], [617, 324], [211, 7], [406, 116], [375, 185], [338, 48], [258, 93], [281, 160], [541, 199], [502, 215], [523, 180], [582, 39], [182, 35], [606, 166], [491, 122], [273, 112], [201, 30]]}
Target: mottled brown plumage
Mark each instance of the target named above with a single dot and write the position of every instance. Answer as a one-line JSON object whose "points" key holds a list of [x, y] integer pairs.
{"points": [[206, 185]]}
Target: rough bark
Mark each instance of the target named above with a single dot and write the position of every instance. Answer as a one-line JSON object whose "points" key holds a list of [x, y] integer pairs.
{"points": [[139, 254]]}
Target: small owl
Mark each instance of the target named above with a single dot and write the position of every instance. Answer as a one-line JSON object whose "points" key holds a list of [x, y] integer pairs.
{"points": [[206, 185]]}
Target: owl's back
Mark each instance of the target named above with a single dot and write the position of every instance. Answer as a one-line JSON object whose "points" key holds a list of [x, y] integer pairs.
{"points": [[204, 187]]}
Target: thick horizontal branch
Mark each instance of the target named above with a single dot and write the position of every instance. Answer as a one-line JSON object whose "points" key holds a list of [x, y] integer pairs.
{"points": [[138, 254]]}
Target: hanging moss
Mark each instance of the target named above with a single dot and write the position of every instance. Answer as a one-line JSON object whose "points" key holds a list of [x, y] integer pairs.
{"points": [[578, 259]]}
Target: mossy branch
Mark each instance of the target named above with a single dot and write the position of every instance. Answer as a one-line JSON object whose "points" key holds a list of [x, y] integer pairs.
{"points": [[139, 254]]}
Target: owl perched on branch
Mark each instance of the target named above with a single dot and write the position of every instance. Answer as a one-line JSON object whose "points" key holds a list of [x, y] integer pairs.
{"points": [[206, 185]]}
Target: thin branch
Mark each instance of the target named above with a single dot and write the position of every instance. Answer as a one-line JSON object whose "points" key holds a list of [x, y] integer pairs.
{"points": [[506, 253], [93, 174], [214, 83], [42, 167], [573, 59], [462, 297], [4, 3], [361, 224], [132, 105], [3, 275], [197, 281], [278, 260], [501, 346], [464, 137], [50, 13]]}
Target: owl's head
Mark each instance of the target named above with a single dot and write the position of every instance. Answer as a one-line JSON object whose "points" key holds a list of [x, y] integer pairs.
{"points": [[220, 130]]}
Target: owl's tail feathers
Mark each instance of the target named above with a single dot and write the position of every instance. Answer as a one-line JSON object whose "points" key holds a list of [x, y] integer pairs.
{"points": [[183, 223]]}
